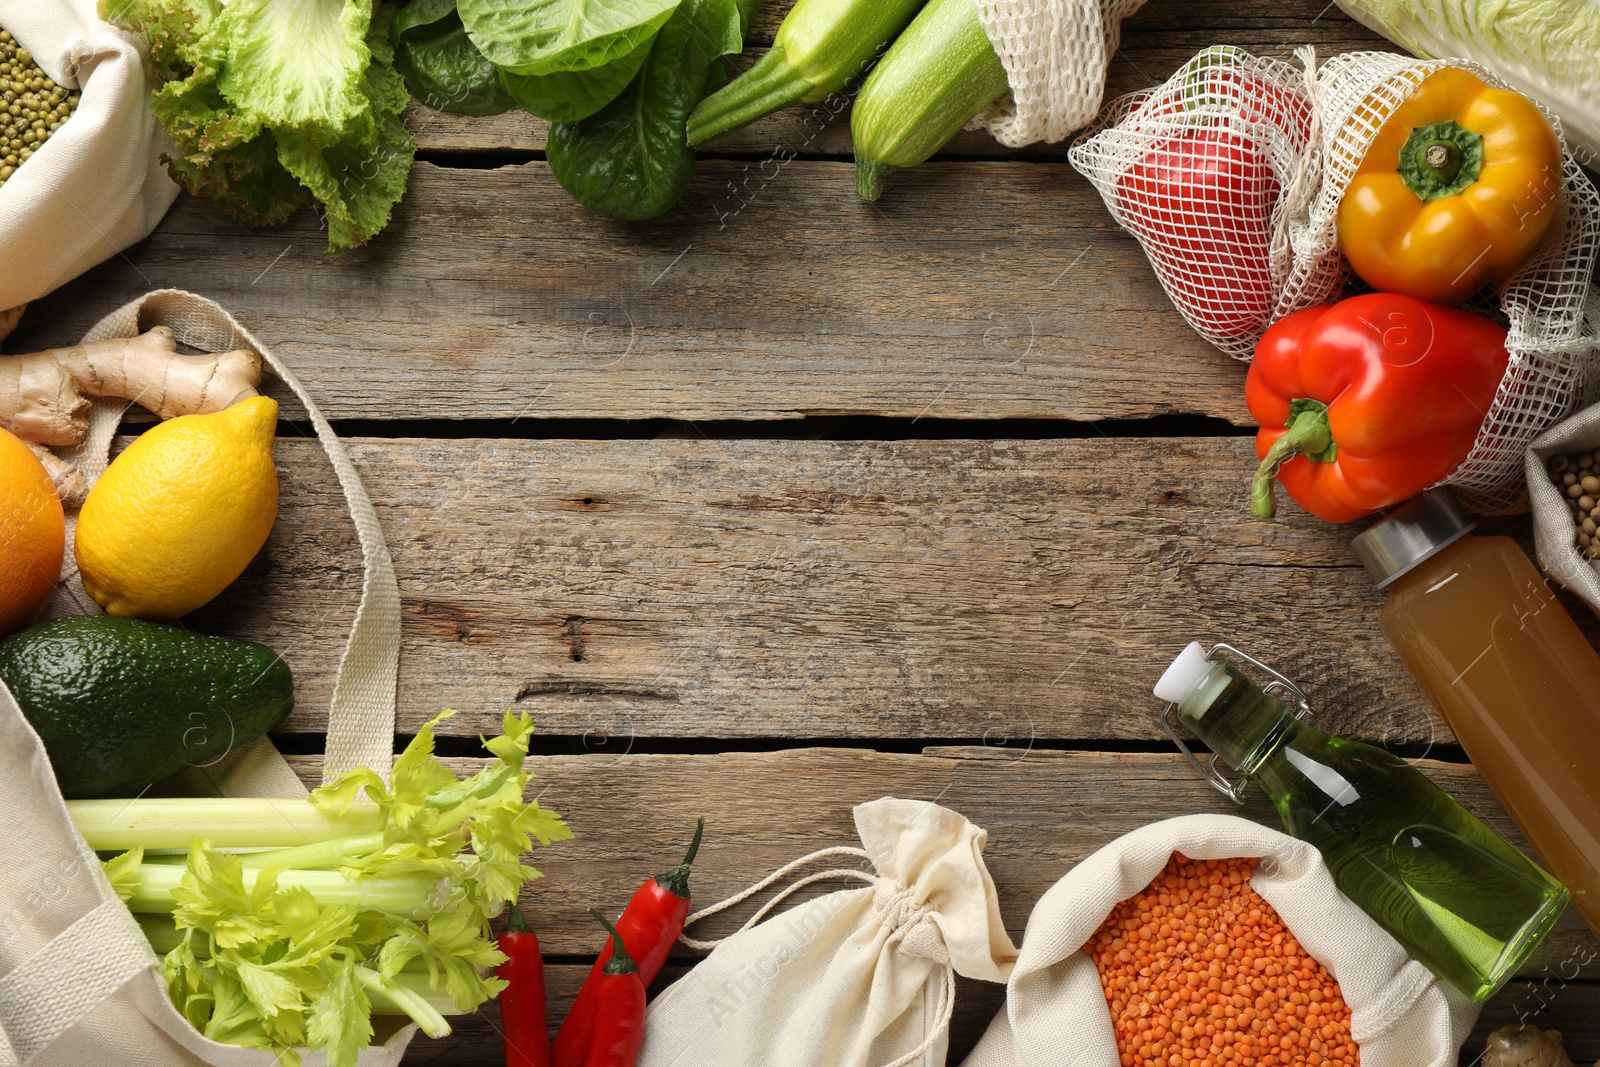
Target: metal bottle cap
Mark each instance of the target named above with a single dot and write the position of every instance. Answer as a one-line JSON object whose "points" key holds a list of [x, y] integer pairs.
{"points": [[1411, 534]]}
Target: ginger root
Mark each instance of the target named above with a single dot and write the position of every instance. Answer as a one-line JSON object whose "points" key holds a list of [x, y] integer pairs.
{"points": [[1526, 1046], [69, 483], [9, 318], [44, 396]]}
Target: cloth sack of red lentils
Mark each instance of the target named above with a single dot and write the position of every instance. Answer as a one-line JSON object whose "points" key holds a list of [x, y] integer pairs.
{"points": [[860, 977], [1058, 1011], [96, 185]]}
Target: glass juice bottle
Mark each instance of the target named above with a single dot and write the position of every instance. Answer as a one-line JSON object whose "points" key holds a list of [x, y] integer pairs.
{"points": [[1453, 892], [1509, 670]]}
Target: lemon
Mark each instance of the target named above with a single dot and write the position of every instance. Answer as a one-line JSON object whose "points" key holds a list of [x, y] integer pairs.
{"points": [[181, 513]]}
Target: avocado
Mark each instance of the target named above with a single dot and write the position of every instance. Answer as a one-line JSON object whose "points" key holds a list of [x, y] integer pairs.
{"points": [[122, 703]]}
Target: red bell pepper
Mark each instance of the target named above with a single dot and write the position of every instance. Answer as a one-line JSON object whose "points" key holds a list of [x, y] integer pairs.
{"points": [[1367, 402]]}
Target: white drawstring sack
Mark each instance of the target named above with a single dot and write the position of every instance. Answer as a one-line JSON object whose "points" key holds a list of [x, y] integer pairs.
{"points": [[79, 983], [98, 184], [860, 977], [1056, 1014]]}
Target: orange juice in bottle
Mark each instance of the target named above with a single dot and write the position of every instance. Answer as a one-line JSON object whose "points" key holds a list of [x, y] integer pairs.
{"points": [[1509, 670]]}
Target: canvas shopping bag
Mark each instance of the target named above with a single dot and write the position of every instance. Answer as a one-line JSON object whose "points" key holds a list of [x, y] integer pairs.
{"points": [[1056, 1014], [79, 983], [98, 184], [861, 977]]}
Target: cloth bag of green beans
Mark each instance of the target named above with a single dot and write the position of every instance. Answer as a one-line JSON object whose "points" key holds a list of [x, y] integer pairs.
{"points": [[81, 176]]}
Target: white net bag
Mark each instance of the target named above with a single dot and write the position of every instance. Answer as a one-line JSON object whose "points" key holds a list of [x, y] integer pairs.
{"points": [[1197, 169], [1257, 238]]}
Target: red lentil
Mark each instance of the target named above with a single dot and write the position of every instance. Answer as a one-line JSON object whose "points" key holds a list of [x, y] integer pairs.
{"points": [[1199, 971]]}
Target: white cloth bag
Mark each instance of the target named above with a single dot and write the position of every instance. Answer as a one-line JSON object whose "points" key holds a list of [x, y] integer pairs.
{"points": [[79, 984], [98, 184], [1056, 1014], [857, 978]]}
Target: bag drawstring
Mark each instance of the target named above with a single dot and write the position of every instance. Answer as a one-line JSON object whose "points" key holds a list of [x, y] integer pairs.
{"points": [[897, 910], [1303, 187], [766, 909]]}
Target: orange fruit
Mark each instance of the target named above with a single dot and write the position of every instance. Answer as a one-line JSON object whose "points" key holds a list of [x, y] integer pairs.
{"points": [[33, 535]]}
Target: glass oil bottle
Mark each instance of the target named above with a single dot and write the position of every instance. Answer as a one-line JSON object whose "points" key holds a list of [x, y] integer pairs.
{"points": [[1452, 891]]}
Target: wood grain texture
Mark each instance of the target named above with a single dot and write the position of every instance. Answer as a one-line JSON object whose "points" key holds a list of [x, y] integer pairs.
{"points": [[1045, 812], [926, 589], [975, 290]]}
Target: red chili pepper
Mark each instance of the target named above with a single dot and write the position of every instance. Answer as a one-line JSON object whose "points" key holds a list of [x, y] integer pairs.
{"points": [[1367, 402], [650, 926], [522, 1001], [619, 1008]]}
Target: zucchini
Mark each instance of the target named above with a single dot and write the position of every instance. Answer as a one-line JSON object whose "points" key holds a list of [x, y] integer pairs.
{"points": [[932, 82], [821, 45]]}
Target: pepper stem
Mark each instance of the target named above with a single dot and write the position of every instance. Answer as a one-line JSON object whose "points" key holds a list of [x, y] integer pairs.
{"points": [[1441, 160], [620, 962], [676, 880], [516, 922], [1306, 434]]}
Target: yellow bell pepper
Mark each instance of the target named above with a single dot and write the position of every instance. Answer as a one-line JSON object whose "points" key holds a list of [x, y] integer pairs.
{"points": [[1455, 191]]}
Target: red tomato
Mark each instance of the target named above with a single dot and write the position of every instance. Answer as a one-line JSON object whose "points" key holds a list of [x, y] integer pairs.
{"points": [[1201, 205]]}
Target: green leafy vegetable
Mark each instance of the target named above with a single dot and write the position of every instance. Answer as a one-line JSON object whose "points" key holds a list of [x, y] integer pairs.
{"points": [[441, 65], [570, 95], [543, 36], [631, 159], [274, 950], [1546, 49], [276, 104]]}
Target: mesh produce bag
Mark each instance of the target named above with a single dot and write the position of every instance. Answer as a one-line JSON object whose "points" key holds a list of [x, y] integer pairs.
{"points": [[1055, 54], [1253, 235]]}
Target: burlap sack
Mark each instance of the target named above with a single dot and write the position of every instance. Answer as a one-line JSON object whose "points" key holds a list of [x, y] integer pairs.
{"points": [[98, 184], [1553, 527], [857, 978], [79, 983], [1056, 1013]]}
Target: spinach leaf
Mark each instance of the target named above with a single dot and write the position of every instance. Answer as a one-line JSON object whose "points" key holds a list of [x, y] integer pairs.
{"points": [[570, 95], [544, 36], [630, 160], [442, 67]]}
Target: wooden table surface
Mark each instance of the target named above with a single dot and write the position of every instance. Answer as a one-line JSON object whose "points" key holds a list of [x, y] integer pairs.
{"points": [[785, 502]]}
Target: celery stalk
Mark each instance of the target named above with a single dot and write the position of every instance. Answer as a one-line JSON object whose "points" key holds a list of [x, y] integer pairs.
{"points": [[407, 999], [227, 822], [398, 894]]}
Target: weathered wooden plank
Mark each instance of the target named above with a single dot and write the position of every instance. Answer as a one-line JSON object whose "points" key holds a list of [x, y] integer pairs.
{"points": [[974, 290], [1045, 812], [927, 589]]}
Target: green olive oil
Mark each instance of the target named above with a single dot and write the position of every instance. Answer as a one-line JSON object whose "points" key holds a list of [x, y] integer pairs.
{"points": [[1452, 891]]}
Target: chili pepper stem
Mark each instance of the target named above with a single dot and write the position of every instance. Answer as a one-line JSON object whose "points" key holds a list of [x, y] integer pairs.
{"points": [[1307, 434], [767, 86], [620, 962], [516, 922]]}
